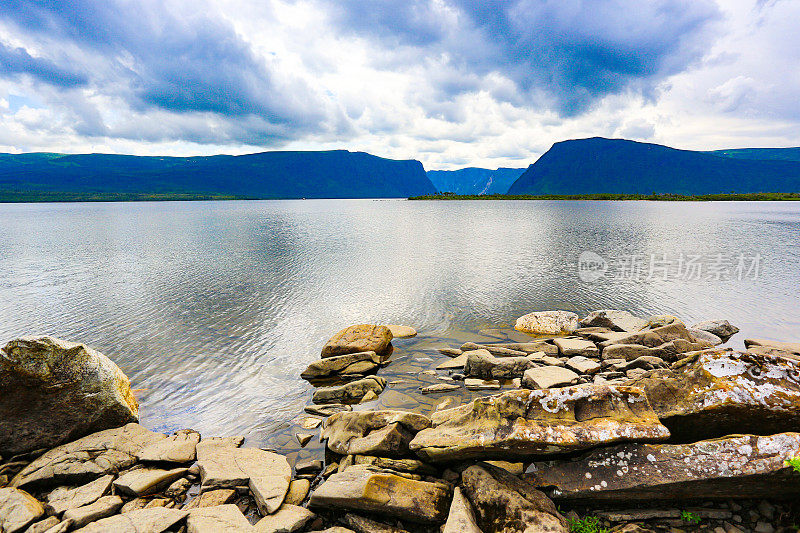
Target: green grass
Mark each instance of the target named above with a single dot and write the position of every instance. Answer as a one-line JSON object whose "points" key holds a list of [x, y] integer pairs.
{"points": [[776, 196], [28, 196], [589, 524], [690, 517], [794, 463]]}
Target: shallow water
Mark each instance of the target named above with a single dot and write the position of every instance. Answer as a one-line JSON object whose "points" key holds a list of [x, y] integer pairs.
{"points": [[214, 308]]}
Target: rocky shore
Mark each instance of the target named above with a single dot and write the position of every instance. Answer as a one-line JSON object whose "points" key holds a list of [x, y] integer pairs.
{"points": [[611, 422]]}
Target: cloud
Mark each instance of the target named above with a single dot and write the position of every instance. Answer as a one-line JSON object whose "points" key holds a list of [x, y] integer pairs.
{"points": [[565, 54], [17, 61]]}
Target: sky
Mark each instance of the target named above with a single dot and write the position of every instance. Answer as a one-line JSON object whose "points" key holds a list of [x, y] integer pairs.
{"points": [[452, 83]]}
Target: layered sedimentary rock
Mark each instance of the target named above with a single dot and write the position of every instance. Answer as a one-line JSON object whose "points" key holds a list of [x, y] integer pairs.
{"points": [[482, 364], [614, 320], [720, 391], [352, 392], [382, 433], [56, 391], [353, 363], [359, 338], [547, 323], [524, 423], [740, 466]]}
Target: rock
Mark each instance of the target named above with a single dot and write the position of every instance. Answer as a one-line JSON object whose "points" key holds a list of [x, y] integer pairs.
{"points": [[583, 365], [287, 519], [506, 504], [63, 498], [303, 438], [398, 465], [298, 490], [361, 488], [789, 347], [493, 349], [144, 481], [220, 519], [739, 466], [456, 362], [103, 507], [310, 423], [439, 387], [56, 391], [653, 338], [104, 452], [513, 468], [365, 525], [525, 423], [450, 352], [213, 498], [720, 392], [266, 473], [326, 410], [353, 363], [385, 432], [309, 466], [547, 323], [401, 332], [545, 377], [360, 338], [720, 328], [705, 336], [481, 384], [17, 510], [630, 352], [461, 518], [631, 515], [614, 320], [351, 392], [177, 448], [482, 364], [43, 525], [645, 362], [337, 529], [570, 347], [153, 520]]}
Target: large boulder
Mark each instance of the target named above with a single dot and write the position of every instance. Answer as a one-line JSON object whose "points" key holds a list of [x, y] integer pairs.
{"points": [[739, 466], [526, 423], [361, 488], [17, 510], [359, 338], [482, 364], [381, 433], [721, 328], [56, 391], [614, 320], [547, 323], [720, 392], [88, 458], [506, 504], [352, 363], [352, 392]]}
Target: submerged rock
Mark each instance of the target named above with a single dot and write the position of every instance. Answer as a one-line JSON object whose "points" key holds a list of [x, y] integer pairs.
{"points": [[385, 433], [506, 504], [721, 328], [525, 423], [326, 409], [360, 488], [720, 392], [614, 320], [547, 323], [482, 364], [359, 338], [104, 452], [17, 510], [352, 392], [739, 466], [55, 391], [353, 363]]}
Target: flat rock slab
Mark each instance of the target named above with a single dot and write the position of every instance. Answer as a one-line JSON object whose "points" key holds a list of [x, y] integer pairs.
{"points": [[483, 364], [629, 352], [504, 503], [103, 507], [359, 488], [614, 320], [547, 323], [352, 392], [456, 362], [481, 384], [583, 365], [17, 510], [220, 519], [741, 466], [152, 520], [144, 481], [720, 392], [439, 387], [287, 519], [790, 347], [525, 423], [401, 332], [653, 338], [63, 498], [56, 391], [365, 525], [359, 338], [353, 363], [327, 409], [104, 452], [212, 498], [461, 518], [364, 432], [545, 377], [267, 474], [178, 448], [570, 347]]}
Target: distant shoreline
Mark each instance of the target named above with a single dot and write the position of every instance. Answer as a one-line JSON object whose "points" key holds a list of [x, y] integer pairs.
{"points": [[760, 197], [13, 197]]}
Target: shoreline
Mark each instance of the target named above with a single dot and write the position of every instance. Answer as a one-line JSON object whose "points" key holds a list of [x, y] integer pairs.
{"points": [[731, 197]]}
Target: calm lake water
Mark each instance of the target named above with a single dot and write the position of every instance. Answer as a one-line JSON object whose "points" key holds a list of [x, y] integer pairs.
{"points": [[214, 308]]}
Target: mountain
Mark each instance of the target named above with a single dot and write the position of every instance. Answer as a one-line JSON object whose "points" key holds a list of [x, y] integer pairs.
{"points": [[777, 154], [598, 165], [475, 180], [330, 174]]}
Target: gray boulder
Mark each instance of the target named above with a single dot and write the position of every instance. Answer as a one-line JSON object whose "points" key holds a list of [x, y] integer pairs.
{"points": [[721, 328], [353, 363], [482, 364], [547, 323], [614, 320], [56, 391]]}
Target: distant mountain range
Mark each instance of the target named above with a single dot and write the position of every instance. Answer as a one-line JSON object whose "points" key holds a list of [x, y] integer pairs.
{"points": [[475, 180], [330, 174], [598, 165]]}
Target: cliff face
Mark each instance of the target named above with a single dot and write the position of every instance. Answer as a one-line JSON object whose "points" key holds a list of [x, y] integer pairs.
{"points": [[475, 180], [598, 165], [331, 174]]}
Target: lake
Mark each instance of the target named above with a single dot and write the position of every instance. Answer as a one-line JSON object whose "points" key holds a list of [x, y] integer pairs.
{"points": [[214, 308]]}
